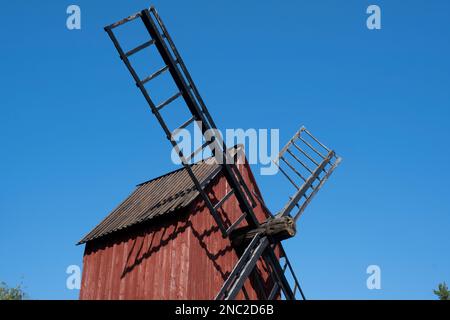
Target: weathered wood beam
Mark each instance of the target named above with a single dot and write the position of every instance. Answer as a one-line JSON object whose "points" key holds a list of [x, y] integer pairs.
{"points": [[276, 228]]}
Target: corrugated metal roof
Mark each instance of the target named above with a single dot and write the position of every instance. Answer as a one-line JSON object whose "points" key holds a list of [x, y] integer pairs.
{"points": [[154, 198]]}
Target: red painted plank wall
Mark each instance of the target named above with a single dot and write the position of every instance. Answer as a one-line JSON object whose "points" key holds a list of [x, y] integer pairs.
{"points": [[178, 257]]}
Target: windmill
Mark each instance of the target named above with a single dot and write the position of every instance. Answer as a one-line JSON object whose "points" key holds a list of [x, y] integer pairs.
{"points": [[304, 161]]}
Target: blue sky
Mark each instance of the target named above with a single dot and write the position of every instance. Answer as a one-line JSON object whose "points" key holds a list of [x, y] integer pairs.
{"points": [[76, 135]]}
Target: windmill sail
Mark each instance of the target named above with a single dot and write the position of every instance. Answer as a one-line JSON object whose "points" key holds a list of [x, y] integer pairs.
{"points": [[159, 37], [307, 164]]}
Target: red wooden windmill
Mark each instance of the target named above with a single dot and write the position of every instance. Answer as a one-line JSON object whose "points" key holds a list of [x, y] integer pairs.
{"points": [[203, 231]]}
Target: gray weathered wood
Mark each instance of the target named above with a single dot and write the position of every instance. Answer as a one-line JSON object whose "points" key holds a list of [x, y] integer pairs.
{"points": [[277, 228]]}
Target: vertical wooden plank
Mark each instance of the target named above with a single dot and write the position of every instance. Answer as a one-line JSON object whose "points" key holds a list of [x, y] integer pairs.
{"points": [[98, 272], [116, 272], [138, 266], [149, 262], [171, 260], [157, 293], [131, 279], [184, 263], [122, 285], [87, 273]]}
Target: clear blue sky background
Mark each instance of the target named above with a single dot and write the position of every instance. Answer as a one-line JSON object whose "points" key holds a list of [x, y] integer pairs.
{"points": [[76, 135]]}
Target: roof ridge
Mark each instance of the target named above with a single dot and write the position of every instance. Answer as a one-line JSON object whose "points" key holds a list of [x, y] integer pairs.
{"points": [[236, 146]]}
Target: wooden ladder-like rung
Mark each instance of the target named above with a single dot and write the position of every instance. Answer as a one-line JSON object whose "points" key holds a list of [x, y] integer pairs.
{"points": [[140, 47], [155, 74], [225, 198]]}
